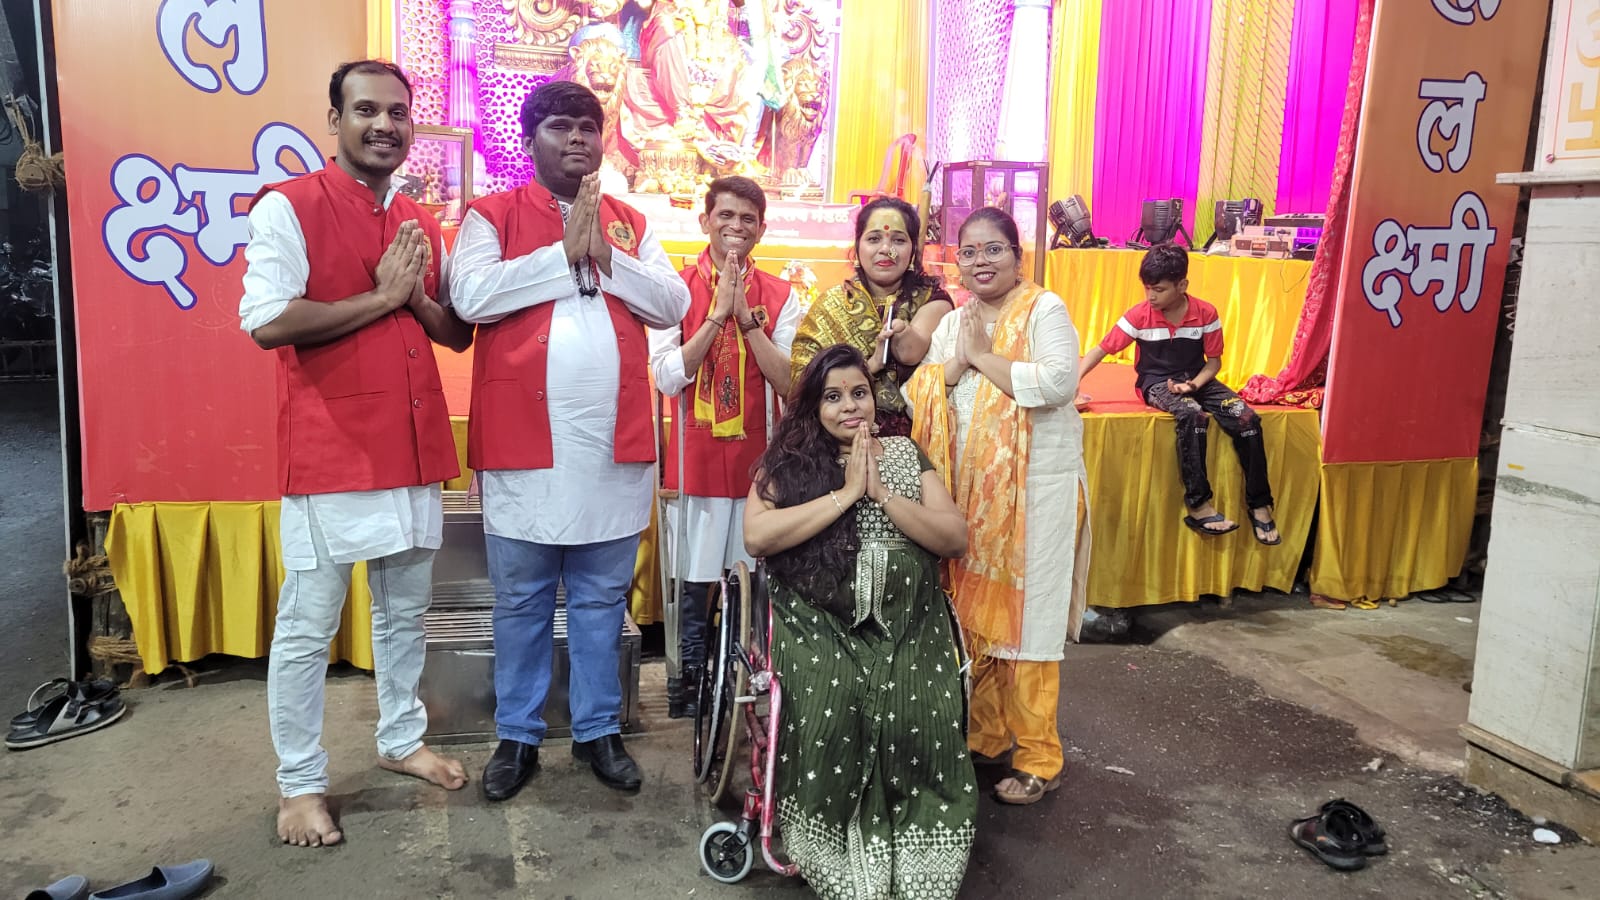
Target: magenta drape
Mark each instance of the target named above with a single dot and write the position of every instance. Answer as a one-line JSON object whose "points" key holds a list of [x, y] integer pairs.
{"points": [[1150, 109], [1319, 75]]}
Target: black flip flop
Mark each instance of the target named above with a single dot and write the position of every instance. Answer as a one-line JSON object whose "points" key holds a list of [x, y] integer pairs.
{"points": [[1199, 525], [1372, 834], [1331, 837], [1258, 526]]}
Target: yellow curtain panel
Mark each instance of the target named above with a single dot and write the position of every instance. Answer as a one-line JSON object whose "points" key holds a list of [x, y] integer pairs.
{"points": [[883, 89], [1074, 78], [1258, 300], [1390, 529], [1247, 75], [380, 29], [1143, 553]]}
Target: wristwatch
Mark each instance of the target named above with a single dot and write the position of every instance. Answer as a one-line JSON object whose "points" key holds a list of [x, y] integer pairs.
{"points": [[758, 319]]}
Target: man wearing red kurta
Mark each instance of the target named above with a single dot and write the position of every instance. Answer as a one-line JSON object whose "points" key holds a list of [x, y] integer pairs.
{"points": [[342, 276], [562, 282], [731, 346]]}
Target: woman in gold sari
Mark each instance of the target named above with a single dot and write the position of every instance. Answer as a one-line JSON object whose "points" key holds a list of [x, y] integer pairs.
{"points": [[890, 301], [994, 411]]}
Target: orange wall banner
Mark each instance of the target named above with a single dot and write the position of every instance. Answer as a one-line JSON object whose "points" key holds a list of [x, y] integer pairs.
{"points": [[1449, 104], [173, 114]]}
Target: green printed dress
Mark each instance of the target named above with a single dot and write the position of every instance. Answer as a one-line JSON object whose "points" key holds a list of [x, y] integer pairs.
{"points": [[876, 794]]}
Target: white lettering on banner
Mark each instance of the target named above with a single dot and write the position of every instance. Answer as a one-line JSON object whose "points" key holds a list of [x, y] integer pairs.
{"points": [[214, 20], [1410, 251], [1452, 114], [1461, 11], [201, 203]]}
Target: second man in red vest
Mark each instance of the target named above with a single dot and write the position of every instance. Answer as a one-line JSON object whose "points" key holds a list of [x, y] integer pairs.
{"points": [[562, 282]]}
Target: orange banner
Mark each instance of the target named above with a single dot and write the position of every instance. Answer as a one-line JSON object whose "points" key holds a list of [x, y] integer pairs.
{"points": [[173, 114], [1449, 104]]}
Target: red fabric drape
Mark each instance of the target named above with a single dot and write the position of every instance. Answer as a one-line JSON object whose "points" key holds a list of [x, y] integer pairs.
{"points": [[1300, 383]]}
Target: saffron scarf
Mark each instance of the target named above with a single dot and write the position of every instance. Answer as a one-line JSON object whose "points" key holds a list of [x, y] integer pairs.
{"points": [[989, 482], [719, 388]]}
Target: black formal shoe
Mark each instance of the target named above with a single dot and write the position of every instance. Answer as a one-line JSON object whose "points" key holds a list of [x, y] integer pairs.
{"points": [[512, 764], [610, 762]]}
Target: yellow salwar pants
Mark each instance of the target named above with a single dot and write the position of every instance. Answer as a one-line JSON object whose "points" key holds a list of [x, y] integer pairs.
{"points": [[1014, 704]]}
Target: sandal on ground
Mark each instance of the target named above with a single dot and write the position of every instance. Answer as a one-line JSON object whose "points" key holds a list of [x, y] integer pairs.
{"points": [[84, 707], [1332, 837], [1260, 528], [1032, 791], [1372, 834], [1199, 525], [90, 691]]}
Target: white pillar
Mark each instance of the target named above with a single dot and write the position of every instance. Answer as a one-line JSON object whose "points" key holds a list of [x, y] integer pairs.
{"points": [[1025, 105]]}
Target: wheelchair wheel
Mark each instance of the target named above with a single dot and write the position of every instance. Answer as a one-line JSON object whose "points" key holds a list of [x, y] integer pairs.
{"points": [[714, 712], [726, 854], [740, 683]]}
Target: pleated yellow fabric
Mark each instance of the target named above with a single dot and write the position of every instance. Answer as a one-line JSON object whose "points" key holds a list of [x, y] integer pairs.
{"points": [[1247, 76], [1390, 529], [1144, 555], [883, 89], [1074, 83], [202, 578], [380, 29], [1258, 300]]}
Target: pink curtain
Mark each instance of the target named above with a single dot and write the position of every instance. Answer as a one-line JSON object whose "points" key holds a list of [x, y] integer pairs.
{"points": [[1301, 381], [1150, 109], [1319, 74]]}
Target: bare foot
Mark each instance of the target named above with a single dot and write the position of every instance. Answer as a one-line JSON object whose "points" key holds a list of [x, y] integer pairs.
{"points": [[430, 767], [304, 821], [1223, 526]]}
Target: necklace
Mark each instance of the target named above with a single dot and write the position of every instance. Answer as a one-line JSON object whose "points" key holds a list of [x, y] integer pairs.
{"points": [[583, 273]]}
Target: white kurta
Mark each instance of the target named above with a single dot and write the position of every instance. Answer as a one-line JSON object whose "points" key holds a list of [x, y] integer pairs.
{"points": [[714, 531], [355, 525], [1057, 561], [587, 497]]}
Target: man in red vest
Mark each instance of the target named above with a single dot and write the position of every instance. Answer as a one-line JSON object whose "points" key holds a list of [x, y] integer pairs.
{"points": [[740, 326], [562, 282], [342, 283]]}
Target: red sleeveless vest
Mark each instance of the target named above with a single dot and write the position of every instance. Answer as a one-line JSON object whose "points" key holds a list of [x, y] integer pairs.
{"points": [[365, 411], [510, 421], [720, 467]]}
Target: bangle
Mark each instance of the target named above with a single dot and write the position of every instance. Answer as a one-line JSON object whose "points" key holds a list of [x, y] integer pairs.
{"points": [[884, 503], [836, 502], [719, 323]]}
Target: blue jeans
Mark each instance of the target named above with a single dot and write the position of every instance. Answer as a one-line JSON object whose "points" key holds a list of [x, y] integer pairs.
{"points": [[525, 575]]}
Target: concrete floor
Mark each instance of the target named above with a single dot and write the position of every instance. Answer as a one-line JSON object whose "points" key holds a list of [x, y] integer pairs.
{"points": [[1186, 760], [33, 591]]}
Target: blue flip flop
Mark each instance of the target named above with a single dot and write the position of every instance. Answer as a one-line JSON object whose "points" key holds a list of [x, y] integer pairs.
{"points": [[1198, 526], [72, 887], [163, 883]]}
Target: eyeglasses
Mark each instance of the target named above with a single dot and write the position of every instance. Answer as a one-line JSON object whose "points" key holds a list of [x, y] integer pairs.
{"points": [[995, 252]]}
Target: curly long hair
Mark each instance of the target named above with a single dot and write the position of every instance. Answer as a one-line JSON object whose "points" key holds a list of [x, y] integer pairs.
{"points": [[800, 465]]}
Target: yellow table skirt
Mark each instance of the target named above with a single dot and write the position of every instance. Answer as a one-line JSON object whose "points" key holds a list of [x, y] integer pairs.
{"points": [[1143, 553], [1390, 529], [1258, 300]]}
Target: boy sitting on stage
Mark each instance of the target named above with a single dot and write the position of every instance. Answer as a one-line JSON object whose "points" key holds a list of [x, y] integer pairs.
{"points": [[1180, 351]]}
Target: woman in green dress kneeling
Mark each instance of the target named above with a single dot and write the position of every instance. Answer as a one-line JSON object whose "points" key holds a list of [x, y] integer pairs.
{"points": [[875, 791]]}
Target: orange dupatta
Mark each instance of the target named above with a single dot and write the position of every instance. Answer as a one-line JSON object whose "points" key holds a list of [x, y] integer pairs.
{"points": [[989, 484]]}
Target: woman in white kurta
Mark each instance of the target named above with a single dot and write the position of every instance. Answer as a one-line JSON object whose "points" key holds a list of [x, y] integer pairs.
{"points": [[1002, 372]]}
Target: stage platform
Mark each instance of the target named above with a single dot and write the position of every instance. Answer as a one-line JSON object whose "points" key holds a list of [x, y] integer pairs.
{"points": [[1143, 554]]}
